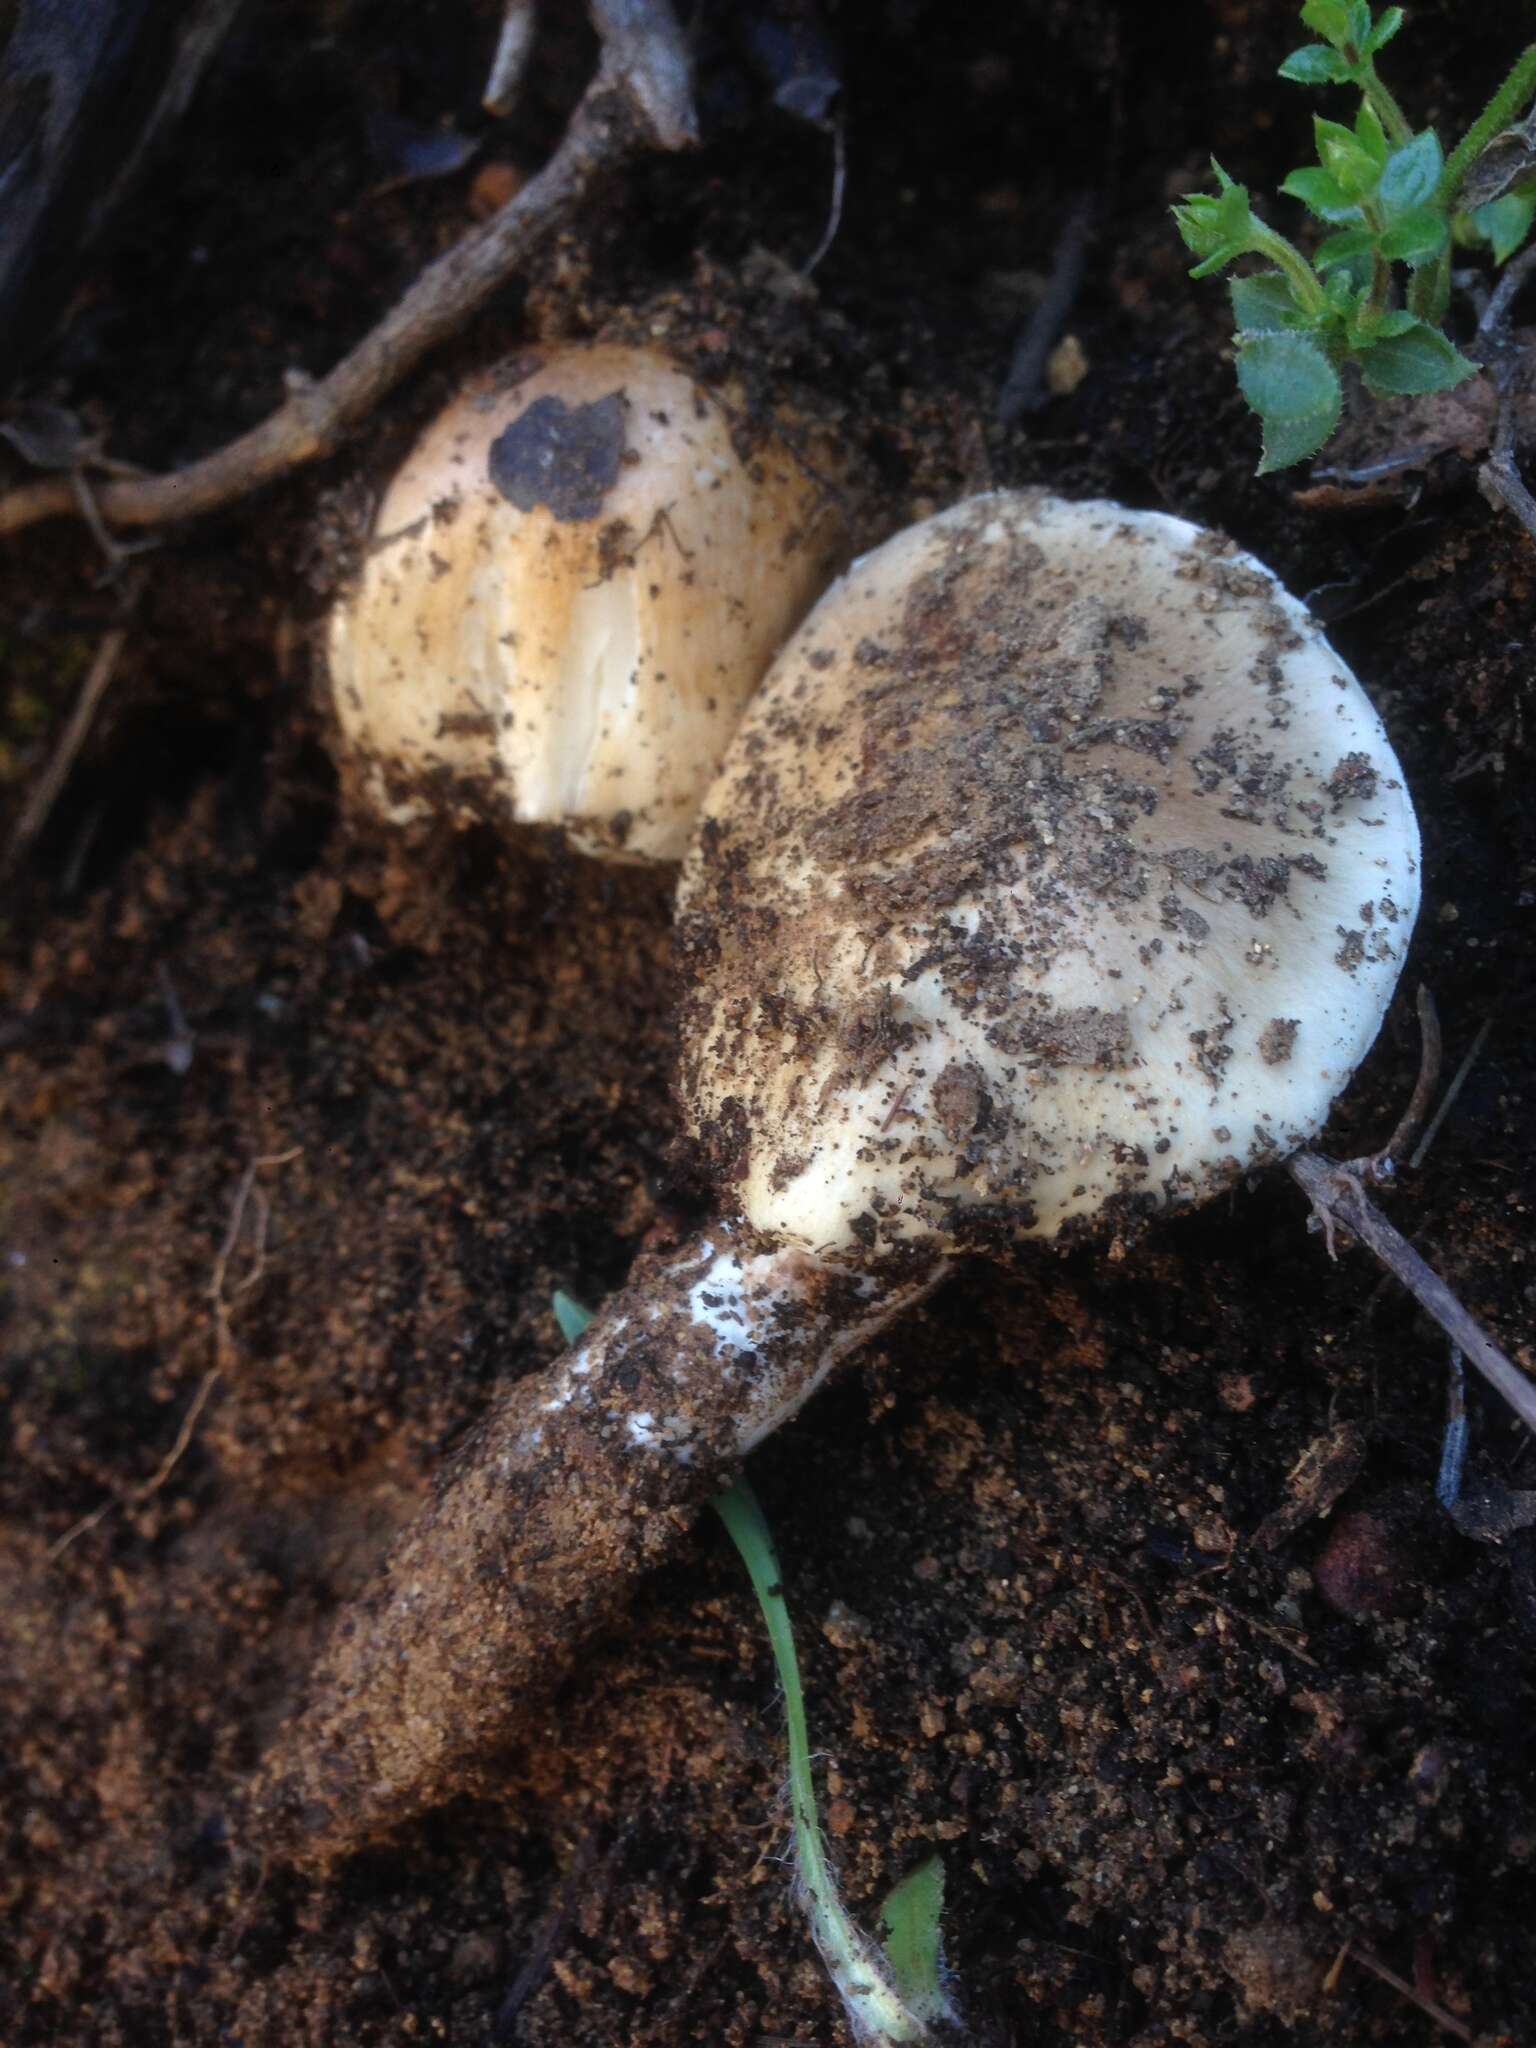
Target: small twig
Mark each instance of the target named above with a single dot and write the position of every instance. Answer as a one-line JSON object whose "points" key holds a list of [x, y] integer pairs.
{"points": [[1431, 1050], [1411, 1992], [546, 1940], [838, 128], [1260, 1628], [1499, 477], [180, 1049], [1338, 1198], [644, 70], [1453, 1449], [45, 792], [514, 44], [1458, 1082], [114, 552], [1024, 387], [1494, 317], [644, 50]]}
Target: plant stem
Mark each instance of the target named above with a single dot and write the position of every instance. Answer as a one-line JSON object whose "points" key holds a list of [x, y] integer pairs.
{"points": [[1499, 112], [1429, 289], [874, 2006], [1388, 112], [1306, 286]]}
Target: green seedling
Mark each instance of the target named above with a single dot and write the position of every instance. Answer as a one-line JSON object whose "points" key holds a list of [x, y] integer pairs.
{"points": [[1374, 293], [892, 1994]]}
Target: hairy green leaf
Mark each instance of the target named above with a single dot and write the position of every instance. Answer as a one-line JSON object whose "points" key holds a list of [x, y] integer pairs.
{"points": [[1370, 134], [1217, 225], [1328, 18], [1316, 64], [1389, 22], [1417, 359], [911, 1915], [1352, 250], [1506, 222], [1410, 175], [1320, 194], [1295, 390], [1415, 238], [1264, 305], [1396, 320], [1351, 164]]}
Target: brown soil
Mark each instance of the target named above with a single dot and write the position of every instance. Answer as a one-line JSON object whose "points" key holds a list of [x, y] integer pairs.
{"points": [[1181, 1729]]}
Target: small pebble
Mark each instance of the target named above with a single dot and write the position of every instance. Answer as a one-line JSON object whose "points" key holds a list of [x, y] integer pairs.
{"points": [[1363, 1571]]}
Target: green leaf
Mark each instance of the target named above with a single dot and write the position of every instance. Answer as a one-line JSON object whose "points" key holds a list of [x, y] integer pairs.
{"points": [[1351, 165], [569, 1314], [1316, 64], [1352, 250], [1370, 134], [1418, 359], [1359, 21], [1321, 195], [910, 1917], [1366, 324], [1396, 320], [1387, 26], [1219, 259], [1506, 222], [1264, 305], [1329, 19], [1410, 175], [1295, 391], [1217, 226], [1416, 238]]}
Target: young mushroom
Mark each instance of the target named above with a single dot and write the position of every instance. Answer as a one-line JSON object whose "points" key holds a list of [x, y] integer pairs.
{"points": [[1058, 874], [575, 582]]}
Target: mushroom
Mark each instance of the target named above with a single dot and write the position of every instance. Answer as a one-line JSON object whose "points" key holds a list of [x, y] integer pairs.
{"points": [[575, 582], [1059, 873]]}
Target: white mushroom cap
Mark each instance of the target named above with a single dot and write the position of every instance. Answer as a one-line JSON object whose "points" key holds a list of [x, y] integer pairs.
{"points": [[1059, 868], [575, 583]]}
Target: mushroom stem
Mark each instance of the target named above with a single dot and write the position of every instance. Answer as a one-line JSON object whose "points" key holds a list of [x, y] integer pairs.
{"points": [[582, 1477]]}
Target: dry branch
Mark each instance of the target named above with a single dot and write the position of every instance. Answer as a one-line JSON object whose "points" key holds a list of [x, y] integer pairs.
{"points": [[638, 99], [1508, 367], [1338, 1199]]}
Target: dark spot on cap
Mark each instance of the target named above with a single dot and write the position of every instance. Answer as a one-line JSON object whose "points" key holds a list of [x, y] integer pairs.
{"points": [[564, 456]]}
